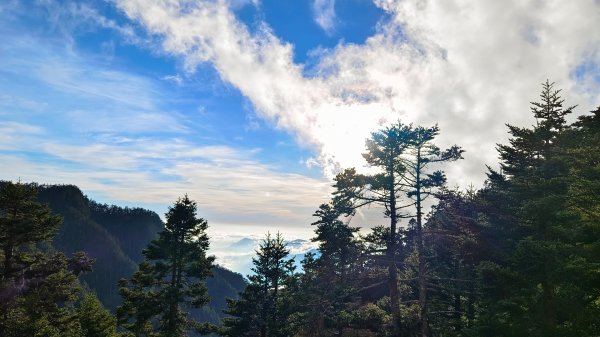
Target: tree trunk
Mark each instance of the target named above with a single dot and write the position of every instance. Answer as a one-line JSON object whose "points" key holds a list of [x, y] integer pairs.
{"points": [[175, 282], [391, 257], [421, 257]]}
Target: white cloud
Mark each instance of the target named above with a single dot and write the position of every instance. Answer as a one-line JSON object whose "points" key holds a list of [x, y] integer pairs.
{"points": [[109, 132], [230, 186], [324, 14], [469, 65], [119, 87], [80, 92]]}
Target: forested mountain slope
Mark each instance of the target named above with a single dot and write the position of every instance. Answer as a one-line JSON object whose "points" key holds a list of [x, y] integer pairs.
{"points": [[115, 237]]}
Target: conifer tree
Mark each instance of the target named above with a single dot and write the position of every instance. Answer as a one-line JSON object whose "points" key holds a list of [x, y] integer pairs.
{"points": [[38, 290], [263, 309], [403, 154], [22, 221], [170, 278], [329, 282], [94, 319], [385, 188], [420, 182], [528, 292], [338, 244], [456, 243]]}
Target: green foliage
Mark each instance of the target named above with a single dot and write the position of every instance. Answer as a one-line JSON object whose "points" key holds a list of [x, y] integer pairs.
{"points": [[541, 286], [80, 232], [265, 307], [22, 221], [38, 290], [330, 281], [95, 320], [521, 257], [384, 188], [115, 237], [171, 277]]}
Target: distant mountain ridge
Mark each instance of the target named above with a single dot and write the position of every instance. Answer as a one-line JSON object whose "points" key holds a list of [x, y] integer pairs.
{"points": [[115, 237], [238, 254]]}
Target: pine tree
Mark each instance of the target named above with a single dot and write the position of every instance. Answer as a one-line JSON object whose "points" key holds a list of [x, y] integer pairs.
{"points": [[170, 278], [263, 309], [403, 154], [529, 291], [420, 182], [38, 289], [338, 245], [384, 150], [583, 202], [45, 296], [22, 221], [94, 319], [329, 282], [456, 243]]}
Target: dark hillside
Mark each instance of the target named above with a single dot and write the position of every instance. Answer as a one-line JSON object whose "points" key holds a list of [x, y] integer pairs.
{"points": [[79, 232], [133, 228], [115, 237]]}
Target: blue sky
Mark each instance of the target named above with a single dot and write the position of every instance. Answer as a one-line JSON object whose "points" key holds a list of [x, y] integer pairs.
{"points": [[251, 106]]}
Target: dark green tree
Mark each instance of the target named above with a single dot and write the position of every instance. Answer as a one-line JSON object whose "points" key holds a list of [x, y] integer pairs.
{"points": [[338, 242], [38, 289], [455, 243], [582, 142], [43, 301], [23, 221], [385, 188], [264, 308], [420, 182], [330, 280], [170, 279], [404, 156], [94, 319], [529, 291]]}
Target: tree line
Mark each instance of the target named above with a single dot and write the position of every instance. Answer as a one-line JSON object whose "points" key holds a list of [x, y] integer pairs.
{"points": [[518, 257]]}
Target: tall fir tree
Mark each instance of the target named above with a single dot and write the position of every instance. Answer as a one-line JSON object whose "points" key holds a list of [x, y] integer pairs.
{"points": [[583, 202], [329, 282], [384, 188], [456, 244], [403, 154], [421, 182], [170, 278], [264, 308], [528, 293]]}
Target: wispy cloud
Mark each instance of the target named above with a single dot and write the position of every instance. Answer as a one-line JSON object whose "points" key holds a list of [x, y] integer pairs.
{"points": [[324, 14], [471, 66], [80, 92], [113, 132], [230, 186]]}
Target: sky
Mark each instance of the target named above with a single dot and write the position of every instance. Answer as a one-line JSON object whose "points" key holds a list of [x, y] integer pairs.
{"points": [[252, 106]]}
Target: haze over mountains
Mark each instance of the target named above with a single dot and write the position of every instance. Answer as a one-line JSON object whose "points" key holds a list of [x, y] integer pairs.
{"points": [[236, 252]]}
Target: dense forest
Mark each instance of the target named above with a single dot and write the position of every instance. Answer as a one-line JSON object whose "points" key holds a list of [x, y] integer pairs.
{"points": [[518, 257]]}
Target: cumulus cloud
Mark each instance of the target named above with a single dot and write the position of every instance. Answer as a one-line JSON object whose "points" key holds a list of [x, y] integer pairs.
{"points": [[324, 14], [470, 66]]}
